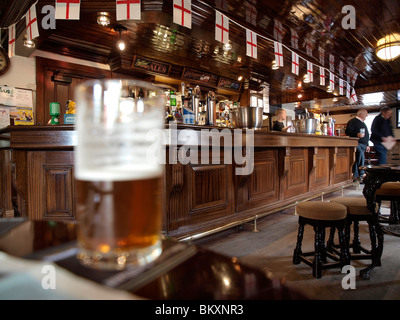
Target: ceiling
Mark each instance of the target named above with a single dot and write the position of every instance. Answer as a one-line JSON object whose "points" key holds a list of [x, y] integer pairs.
{"points": [[157, 37]]}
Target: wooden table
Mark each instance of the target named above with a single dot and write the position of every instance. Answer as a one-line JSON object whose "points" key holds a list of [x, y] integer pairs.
{"points": [[375, 176], [183, 271]]}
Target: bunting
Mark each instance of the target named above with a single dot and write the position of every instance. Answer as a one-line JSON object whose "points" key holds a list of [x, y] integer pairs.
{"points": [[182, 13], [11, 40], [332, 81], [128, 10], [278, 54], [67, 9], [332, 62], [321, 56], [32, 29], [321, 76], [340, 86], [310, 71], [294, 38], [341, 67], [295, 63], [308, 45], [251, 44], [278, 31], [353, 98], [348, 90], [221, 27]]}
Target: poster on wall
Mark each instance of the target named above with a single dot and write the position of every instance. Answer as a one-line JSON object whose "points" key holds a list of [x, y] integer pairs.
{"points": [[19, 104]]}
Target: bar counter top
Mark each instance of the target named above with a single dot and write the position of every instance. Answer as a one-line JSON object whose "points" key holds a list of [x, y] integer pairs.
{"points": [[64, 136]]}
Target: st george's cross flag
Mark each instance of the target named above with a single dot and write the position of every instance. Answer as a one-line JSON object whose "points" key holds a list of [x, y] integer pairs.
{"points": [[341, 85], [295, 63], [32, 29], [251, 44], [221, 27], [321, 56], [128, 10], [68, 9], [321, 76], [294, 38], [341, 68], [332, 62], [353, 98], [182, 13], [11, 40], [278, 54], [332, 81], [278, 30], [347, 90], [310, 72]]}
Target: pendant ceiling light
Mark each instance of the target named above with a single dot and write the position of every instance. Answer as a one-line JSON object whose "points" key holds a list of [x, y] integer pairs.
{"points": [[388, 47]]}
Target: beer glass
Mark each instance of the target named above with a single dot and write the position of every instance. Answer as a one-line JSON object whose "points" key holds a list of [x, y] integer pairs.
{"points": [[118, 182]]}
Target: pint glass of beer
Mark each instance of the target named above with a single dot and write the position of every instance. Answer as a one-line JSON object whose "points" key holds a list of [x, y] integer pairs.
{"points": [[118, 182]]}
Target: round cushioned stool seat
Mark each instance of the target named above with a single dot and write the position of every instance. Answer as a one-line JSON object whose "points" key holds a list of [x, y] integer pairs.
{"points": [[320, 210], [355, 206], [389, 189]]}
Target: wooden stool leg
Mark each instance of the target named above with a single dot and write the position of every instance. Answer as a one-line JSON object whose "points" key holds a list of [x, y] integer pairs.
{"points": [[297, 251], [356, 240], [394, 212], [331, 240], [373, 237], [317, 263], [344, 248]]}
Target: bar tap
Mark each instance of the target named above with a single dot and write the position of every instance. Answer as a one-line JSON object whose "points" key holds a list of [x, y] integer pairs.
{"points": [[211, 114]]}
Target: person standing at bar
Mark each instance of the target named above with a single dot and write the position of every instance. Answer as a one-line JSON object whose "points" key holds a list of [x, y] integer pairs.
{"points": [[382, 131], [278, 123], [357, 128]]}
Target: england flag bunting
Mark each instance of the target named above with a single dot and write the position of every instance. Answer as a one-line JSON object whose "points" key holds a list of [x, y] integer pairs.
{"points": [[321, 56], [353, 98], [11, 40], [354, 77], [182, 13], [321, 76], [128, 10], [310, 71], [67, 9], [340, 86], [332, 81], [251, 44], [332, 62], [278, 54], [347, 90], [295, 63], [341, 67], [278, 31], [32, 29], [348, 74], [309, 47], [221, 27], [294, 38]]}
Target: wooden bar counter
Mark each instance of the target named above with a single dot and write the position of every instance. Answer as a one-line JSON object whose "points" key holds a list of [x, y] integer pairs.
{"points": [[200, 196]]}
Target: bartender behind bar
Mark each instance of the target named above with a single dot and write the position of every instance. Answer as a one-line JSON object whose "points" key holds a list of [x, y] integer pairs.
{"points": [[278, 123]]}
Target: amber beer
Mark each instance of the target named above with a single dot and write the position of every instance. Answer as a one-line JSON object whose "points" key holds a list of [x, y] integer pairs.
{"points": [[118, 186], [121, 221]]}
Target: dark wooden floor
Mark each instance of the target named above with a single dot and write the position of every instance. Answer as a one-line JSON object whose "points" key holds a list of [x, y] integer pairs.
{"points": [[272, 247]]}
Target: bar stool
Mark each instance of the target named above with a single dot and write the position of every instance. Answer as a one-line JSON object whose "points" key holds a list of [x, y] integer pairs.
{"points": [[321, 215], [389, 191], [357, 211]]}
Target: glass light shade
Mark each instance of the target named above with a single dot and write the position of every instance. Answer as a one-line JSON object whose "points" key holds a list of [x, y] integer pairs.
{"points": [[388, 47], [103, 18]]}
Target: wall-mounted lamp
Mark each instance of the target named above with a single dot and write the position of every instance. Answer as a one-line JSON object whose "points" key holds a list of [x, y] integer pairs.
{"points": [[120, 43], [29, 43], [103, 18]]}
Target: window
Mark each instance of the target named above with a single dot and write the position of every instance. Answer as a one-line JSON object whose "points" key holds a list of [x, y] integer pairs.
{"points": [[368, 122]]}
